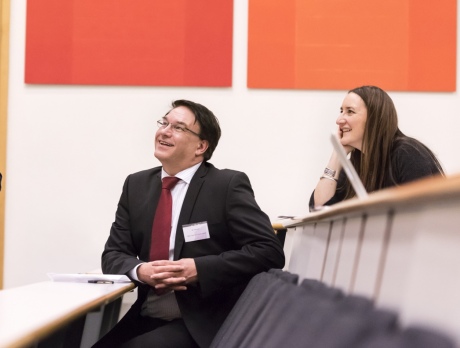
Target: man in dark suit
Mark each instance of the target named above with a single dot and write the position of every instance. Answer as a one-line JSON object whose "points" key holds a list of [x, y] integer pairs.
{"points": [[219, 239]]}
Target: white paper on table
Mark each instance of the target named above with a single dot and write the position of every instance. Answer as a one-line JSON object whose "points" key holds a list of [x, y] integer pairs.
{"points": [[86, 277]]}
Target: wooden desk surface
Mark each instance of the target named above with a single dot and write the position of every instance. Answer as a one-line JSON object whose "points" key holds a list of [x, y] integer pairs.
{"points": [[31, 312]]}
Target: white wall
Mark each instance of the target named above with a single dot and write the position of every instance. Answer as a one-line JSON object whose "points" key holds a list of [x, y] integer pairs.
{"points": [[71, 147]]}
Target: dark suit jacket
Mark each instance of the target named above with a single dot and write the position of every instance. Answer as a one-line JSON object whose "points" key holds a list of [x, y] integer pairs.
{"points": [[241, 244]]}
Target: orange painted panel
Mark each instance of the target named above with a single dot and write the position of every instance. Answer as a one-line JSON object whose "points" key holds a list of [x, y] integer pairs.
{"points": [[332, 44], [276, 28], [432, 33], [122, 42]]}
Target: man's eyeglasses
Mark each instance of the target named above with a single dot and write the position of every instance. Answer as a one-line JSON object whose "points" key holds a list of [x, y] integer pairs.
{"points": [[177, 128]]}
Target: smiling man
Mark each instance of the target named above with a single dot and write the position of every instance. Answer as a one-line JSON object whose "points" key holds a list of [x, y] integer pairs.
{"points": [[191, 272]]}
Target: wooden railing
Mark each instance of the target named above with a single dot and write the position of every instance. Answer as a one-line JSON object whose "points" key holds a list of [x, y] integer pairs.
{"points": [[400, 247]]}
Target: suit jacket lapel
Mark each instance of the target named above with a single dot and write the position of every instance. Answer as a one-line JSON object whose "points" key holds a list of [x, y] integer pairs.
{"points": [[187, 207], [154, 196]]}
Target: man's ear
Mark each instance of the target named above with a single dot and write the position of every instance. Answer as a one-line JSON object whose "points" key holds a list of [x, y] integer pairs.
{"points": [[202, 147]]}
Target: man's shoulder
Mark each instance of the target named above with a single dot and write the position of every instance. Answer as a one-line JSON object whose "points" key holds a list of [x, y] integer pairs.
{"points": [[222, 177], [212, 170]]}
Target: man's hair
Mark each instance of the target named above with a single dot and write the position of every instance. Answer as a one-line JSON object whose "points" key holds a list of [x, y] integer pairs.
{"points": [[208, 122]]}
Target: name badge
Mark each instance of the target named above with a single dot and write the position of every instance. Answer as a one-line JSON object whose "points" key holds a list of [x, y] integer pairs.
{"points": [[196, 231]]}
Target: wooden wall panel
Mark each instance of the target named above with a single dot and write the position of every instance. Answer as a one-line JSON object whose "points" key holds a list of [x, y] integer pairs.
{"points": [[4, 52]]}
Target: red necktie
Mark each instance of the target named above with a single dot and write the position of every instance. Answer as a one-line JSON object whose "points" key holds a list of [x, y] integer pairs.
{"points": [[161, 229]]}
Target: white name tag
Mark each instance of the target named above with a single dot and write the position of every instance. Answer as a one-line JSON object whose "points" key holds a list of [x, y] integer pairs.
{"points": [[197, 231]]}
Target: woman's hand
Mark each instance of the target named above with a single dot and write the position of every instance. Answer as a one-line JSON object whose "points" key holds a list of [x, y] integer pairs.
{"points": [[326, 187]]}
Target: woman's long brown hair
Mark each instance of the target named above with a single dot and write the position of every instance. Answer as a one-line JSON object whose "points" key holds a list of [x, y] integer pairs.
{"points": [[381, 131]]}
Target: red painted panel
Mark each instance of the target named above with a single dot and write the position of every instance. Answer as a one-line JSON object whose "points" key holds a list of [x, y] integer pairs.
{"points": [[121, 42]]}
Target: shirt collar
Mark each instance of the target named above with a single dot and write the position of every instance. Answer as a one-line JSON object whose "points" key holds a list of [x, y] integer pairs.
{"points": [[185, 175]]}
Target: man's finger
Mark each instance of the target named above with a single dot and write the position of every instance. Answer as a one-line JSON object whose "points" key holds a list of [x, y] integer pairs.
{"points": [[162, 263], [170, 280], [164, 275]]}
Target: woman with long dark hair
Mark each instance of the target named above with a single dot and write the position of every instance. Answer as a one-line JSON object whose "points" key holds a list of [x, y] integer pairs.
{"points": [[381, 154]]}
